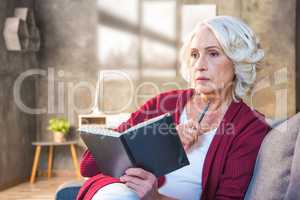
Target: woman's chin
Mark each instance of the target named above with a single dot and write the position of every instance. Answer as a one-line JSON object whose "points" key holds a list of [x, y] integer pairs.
{"points": [[203, 90]]}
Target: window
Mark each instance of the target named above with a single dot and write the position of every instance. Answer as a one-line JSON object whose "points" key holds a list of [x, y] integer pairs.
{"points": [[192, 14], [126, 10], [142, 37], [117, 49], [160, 17], [141, 34], [138, 36], [159, 60]]}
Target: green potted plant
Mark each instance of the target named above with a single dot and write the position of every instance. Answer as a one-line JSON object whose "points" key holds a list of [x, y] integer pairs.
{"points": [[60, 128]]}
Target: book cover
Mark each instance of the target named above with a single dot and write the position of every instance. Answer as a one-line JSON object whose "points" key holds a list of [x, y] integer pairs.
{"points": [[153, 145]]}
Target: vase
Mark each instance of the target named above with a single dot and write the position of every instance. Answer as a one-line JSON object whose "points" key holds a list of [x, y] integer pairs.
{"points": [[59, 137]]}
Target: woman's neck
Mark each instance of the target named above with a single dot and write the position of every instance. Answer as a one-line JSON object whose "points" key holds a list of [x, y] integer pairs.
{"points": [[218, 105], [215, 100]]}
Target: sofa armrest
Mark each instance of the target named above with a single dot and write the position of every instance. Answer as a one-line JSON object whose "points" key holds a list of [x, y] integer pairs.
{"points": [[68, 191]]}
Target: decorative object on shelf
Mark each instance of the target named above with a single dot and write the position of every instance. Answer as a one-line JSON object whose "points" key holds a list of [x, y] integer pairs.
{"points": [[60, 128], [27, 15], [20, 31], [16, 34], [92, 120]]}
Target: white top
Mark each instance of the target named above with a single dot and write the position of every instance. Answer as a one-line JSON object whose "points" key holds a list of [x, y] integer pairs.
{"points": [[185, 183], [115, 191]]}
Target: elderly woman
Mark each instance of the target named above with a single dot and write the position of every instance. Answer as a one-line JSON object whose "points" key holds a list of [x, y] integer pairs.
{"points": [[219, 61]]}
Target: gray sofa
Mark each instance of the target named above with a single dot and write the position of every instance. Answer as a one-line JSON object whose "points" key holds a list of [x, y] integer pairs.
{"points": [[277, 169]]}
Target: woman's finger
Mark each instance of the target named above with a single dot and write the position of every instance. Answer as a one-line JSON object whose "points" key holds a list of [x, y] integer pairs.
{"points": [[138, 172], [132, 179], [189, 133], [184, 141], [186, 135], [141, 181], [188, 142]]}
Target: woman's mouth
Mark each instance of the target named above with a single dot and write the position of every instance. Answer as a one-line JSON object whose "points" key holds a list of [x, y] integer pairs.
{"points": [[202, 78]]}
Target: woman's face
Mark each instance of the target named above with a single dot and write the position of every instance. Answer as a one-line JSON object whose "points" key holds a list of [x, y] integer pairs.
{"points": [[211, 70]]}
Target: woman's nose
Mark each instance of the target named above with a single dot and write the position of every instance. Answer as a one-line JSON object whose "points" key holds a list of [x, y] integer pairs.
{"points": [[200, 64]]}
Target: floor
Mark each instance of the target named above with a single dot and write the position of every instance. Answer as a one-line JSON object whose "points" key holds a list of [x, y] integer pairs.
{"points": [[42, 189]]}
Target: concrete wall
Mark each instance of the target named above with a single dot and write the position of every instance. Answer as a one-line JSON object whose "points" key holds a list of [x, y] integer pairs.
{"points": [[17, 129], [68, 56], [275, 22]]}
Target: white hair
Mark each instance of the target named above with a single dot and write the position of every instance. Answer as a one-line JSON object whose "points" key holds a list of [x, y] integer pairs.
{"points": [[240, 45]]}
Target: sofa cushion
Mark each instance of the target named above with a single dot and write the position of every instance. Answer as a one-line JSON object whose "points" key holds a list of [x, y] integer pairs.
{"points": [[273, 166], [293, 190]]}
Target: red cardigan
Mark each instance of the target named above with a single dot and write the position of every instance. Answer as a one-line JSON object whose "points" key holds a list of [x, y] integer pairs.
{"points": [[230, 159]]}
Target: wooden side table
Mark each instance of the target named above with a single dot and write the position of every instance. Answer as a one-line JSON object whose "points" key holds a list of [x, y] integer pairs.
{"points": [[51, 145]]}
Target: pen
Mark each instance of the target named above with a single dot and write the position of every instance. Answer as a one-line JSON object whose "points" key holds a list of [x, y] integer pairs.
{"points": [[201, 115]]}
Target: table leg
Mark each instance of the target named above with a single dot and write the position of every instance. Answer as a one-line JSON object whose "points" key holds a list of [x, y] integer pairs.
{"points": [[75, 160], [35, 163], [50, 160]]}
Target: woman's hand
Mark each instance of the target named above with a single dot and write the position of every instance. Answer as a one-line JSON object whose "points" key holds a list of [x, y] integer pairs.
{"points": [[142, 182], [189, 133]]}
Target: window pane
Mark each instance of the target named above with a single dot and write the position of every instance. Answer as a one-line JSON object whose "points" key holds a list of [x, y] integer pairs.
{"points": [[192, 14], [158, 73], [160, 16], [157, 55], [117, 49], [125, 9], [158, 60]]}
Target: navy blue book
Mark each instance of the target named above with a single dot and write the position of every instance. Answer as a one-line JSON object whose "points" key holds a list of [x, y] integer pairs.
{"points": [[153, 145]]}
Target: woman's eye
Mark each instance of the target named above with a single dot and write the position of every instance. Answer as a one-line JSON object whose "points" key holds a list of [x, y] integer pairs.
{"points": [[194, 55], [214, 54]]}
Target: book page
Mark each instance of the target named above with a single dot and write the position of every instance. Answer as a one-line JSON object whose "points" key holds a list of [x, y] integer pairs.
{"points": [[146, 123], [99, 131]]}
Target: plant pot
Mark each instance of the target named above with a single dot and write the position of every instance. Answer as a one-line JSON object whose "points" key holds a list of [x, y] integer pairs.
{"points": [[59, 137]]}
